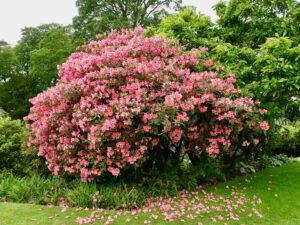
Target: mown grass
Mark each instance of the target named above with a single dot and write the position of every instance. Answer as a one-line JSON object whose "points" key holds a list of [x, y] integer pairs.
{"points": [[279, 189]]}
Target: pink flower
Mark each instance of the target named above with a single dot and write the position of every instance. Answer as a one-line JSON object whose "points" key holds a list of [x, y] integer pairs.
{"points": [[113, 171], [146, 128], [64, 209], [203, 50], [176, 135], [256, 141], [246, 143], [262, 111], [264, 125], [208, 63]]}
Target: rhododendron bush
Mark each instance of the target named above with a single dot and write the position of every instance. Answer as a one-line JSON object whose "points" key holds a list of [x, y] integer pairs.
{"points": [[127, 96]]}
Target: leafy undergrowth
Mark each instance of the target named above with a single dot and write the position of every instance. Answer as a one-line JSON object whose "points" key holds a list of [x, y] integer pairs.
{"points": [[269, 197]]}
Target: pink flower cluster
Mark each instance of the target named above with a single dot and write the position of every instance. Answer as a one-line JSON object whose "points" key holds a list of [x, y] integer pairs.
{"points": [[117, 99]]}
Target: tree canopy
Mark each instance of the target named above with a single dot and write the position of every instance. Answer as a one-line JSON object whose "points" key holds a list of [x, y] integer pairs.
{"points": [[267, 72], [248, 23], [31, 37], [100, 16], [31, 67], [53, 50]]}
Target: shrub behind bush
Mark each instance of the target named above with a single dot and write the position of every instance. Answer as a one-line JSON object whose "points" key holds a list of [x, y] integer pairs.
{"points": [[10, 143], [287, 140]]}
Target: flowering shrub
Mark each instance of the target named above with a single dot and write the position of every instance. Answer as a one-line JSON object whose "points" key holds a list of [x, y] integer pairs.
{"points": [[127, 96]]}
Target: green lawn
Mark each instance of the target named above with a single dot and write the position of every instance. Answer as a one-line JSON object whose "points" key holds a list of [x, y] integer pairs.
{"points": [[278, 188]]}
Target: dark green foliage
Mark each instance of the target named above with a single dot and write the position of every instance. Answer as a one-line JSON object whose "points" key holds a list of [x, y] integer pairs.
{"points": [[203, 173], [7, 62], [31, 67], [275, 161], [53, 50], [14, 95], [99, 16], [32, 164], [286, 140], [13, 85], [31, 37], [247, 167]]}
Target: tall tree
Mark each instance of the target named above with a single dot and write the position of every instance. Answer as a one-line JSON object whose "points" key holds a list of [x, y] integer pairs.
{"points": [[248, 23], [99, 16], [13, 84], [7, 61], [31, 37], [14, 95], [53, 50], [269, 73], [32, 66]]}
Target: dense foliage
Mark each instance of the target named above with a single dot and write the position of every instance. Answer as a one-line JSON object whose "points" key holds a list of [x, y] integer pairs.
{"points": [[269, 73], [10, 142], [100, 16], [248, 23], [31, 67], [127, 97], [287, 140], [31, 37], [53, 50], [190, 28]]}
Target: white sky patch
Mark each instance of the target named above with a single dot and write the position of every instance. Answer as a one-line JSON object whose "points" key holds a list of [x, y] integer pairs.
{"points": [[17, 14]]}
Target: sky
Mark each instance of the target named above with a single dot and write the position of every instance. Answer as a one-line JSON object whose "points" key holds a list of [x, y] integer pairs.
{"points": [[17, 14]]}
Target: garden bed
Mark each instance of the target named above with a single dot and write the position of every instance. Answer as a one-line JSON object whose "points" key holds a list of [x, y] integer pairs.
{"points": [[275, 193]]}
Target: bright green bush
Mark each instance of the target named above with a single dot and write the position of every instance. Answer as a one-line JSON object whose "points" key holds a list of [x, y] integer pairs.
{"points": [[192, 29], [15, 155], [10, 143], [3, 114]]}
